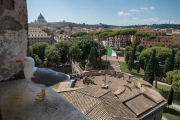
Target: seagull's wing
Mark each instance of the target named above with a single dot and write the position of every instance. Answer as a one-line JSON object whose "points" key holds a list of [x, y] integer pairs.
{"points": [[48, 77]]}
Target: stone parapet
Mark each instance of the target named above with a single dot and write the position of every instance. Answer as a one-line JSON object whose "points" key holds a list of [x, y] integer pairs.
{"points": [[18, 103]]}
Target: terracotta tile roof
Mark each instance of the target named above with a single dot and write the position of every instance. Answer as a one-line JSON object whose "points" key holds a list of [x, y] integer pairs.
{"points": [[140, 104], [93, 91], [128, 93], [109, 95], [152, 110], [120, 90], [99, 113], [152, 94], [105, 107], [116, 109], [143, 82], [81, 101], [130, 102]]}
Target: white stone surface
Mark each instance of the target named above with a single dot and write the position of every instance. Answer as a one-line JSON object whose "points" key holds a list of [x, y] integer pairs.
{"points": [[17, 102], [13, 36]]}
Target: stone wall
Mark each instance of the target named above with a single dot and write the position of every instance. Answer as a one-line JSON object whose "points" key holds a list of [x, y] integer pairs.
{"points": [[77, 70], [13, 36], [157, 115], [126, 76], [75, 67]]}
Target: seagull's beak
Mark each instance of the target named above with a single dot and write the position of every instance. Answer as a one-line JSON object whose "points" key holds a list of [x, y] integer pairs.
{"points": [[19, 61]]}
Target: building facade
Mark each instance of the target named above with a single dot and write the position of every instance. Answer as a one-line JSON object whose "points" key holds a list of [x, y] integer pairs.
{"points": [[37, 35], [164, 37]]}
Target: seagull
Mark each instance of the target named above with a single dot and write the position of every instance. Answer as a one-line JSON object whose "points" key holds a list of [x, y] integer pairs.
{"points": [[42, 77]]}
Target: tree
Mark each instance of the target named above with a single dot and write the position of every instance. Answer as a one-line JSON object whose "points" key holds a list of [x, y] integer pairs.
{"points": [[140, 34], [170, 75], [52, 56], [161, 54], [78, 34], [37, 60], [151, 36], [39, 49], [105, 35], [149, 72], [91, 56], [173, 77], [99, 61], [75, 52], [101, 51], [61, 32], [177, 61], [112, 34], [175, 45], [137, 41], [170, 98], [169, 65], [127, 33], [63, 48], [58, 28], [86, 43], [98, 35], [132, 57], [140, 48], [156, 71], [176, 81], [127, 52], [138, 67]]}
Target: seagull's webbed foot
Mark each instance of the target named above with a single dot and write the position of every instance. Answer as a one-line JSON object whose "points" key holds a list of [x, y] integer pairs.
{"points": [[41, 96]]}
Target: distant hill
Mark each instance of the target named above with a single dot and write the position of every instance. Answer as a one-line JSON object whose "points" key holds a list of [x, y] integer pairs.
{"points": [[161, 26]]}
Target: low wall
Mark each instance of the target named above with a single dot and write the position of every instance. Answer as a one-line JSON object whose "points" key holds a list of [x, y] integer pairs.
{"points": [[128, 76], [95, 72], [76, 68], [125, 76], [120, 74]]}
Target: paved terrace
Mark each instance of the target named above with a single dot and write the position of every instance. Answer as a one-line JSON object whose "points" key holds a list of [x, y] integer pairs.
{"points": [[114, 63]]}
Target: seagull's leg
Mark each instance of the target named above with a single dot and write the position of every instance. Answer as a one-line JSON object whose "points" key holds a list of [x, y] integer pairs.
{"points": [[41, 96], [44, 94]]}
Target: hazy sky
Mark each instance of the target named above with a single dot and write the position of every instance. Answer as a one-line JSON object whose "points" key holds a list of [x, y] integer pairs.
{"points": [[113, 12]]}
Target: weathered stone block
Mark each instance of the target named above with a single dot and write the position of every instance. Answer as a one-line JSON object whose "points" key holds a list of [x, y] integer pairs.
{"points": [[17, 102], [13, 36]]}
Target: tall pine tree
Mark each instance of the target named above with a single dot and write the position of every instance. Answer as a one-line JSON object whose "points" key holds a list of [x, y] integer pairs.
{"points": [[132, 57], [156, 71], [170, 98], [169, 65], [91, 56], [99, 61], [149, 72]]}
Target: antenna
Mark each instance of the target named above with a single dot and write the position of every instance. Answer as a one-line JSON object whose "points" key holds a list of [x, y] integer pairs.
{"points": [[169, 20]]}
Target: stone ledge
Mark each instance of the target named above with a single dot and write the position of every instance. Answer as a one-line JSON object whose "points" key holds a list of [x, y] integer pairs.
{"points": [[17, 101]]}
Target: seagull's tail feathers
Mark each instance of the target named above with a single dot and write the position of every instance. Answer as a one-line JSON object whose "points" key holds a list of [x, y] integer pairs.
{"points": [[68, 78]]}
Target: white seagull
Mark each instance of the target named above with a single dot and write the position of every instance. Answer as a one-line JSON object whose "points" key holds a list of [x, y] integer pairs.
{"points": [[42, 77]]}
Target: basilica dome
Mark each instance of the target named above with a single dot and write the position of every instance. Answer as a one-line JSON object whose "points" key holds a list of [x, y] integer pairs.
{"points": [[40, 17], [41, 20]]}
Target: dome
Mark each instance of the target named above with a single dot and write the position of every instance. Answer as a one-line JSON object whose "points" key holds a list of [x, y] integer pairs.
{"points": [[40, 16]]}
